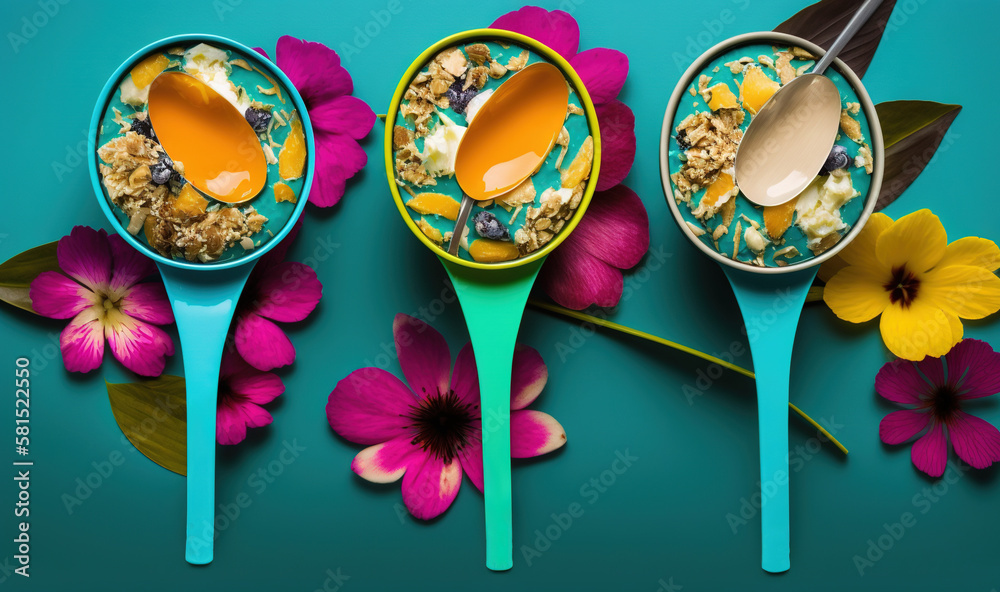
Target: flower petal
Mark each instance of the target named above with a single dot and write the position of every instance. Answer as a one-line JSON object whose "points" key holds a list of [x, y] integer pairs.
{"points": [[576, 279], [465, 377], [917, 331], [262, 52], [617, 125], [262, 343], [965, 291], [148, 302], [129, 266], [972, 250], [256, 386], [370, 406], [975, 440], [338, 158], [139, 346], [900, 382], [230, 425], [615, 228], [254, 415], [345, 115], [386, 462], [430, 486], [85, 256], [974, 368], [930, 452], [288, 292], [82, 342], [916, 241], [56, 296], [529, 377], [603, 72], [471, 457], [314, 69], [533, 433], [423, 355], [856, 294], [861, 250], [900, 426], [556, 29]]}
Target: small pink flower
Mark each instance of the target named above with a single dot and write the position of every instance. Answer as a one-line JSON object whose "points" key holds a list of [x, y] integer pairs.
{"points": [[242, 391], [935, 390], [107, 299], [338, 119], [614, 233], [429, 433], [277, 290]]}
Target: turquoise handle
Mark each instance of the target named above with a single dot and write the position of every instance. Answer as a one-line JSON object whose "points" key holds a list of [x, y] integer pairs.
{"points": [[493, 302], [203, 306], [771, 305]]}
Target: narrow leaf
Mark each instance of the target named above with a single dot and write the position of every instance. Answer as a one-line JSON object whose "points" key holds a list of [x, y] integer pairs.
{"points": [[913, 131], [17, 273], [823, 21], [152, 415]]}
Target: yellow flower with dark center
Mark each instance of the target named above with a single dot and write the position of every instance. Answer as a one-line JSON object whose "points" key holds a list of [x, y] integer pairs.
{"points": [[922, 286]]}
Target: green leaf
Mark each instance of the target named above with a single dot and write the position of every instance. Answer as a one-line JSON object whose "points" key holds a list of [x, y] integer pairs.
{"points": [[912, 131], [17, 273], [822, 22], [152, 415]]}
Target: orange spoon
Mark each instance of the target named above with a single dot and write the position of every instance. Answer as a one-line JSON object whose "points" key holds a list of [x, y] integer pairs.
{"points": [[197, 126]]}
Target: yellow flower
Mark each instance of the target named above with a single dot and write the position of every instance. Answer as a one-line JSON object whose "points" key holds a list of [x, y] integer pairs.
{"points": [[922, 286]]}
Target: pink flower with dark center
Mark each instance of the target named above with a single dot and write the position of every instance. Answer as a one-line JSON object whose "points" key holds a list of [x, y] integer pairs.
{"points": [[614, 233], [338, 119], [108, 300], [242, 391], [277, 290], [934, 390], [429, 432]]}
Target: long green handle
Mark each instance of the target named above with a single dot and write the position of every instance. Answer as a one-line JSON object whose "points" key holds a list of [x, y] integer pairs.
{"points": [[203, 306], [493, 302], [771, 305]]}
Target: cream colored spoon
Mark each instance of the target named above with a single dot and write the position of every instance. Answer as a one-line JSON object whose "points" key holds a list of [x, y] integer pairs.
{"points": [[789, 139]]}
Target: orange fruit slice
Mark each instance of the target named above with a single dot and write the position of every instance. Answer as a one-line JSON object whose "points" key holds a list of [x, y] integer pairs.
{"points": [[145, 71], [777, 219], [579, 169], [292, 159], [283, 192], [434, 203], [757, 89], [492, 251]]}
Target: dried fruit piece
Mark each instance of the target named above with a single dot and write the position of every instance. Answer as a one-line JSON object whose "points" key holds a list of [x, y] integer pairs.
{"points": [[434, 203], [757, 89], [719, 96], [190, 203], [777, 219], [851, 127], [292, 159], [492, 251], [429, 231], [478, 52], [717, 192], [145, 71], [283, 192], [579, 169]]}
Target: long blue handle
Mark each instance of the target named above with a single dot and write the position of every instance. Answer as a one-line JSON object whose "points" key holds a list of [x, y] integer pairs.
{"points": [[203, 304], [771, 305], [493, 302]]}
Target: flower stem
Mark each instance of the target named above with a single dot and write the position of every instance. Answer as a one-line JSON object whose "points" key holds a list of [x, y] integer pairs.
{"points": [[649, 337], [382, 116]]}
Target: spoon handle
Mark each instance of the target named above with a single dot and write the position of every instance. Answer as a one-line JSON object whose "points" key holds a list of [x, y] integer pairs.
{"points": [[857, 21], [463, 216]]}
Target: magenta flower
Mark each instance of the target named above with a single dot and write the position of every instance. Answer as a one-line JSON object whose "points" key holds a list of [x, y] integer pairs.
{"points": [[935, 389], [429, 433], [277, 290], [338, 119], [242, 391], [614, 233], [108, 300]]}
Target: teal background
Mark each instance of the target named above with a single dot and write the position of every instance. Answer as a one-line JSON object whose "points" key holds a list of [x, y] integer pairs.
{"points": [[662, 524]]}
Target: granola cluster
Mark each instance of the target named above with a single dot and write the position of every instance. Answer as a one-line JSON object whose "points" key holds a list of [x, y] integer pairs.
{"points": [[541, 224], [710, 139]]}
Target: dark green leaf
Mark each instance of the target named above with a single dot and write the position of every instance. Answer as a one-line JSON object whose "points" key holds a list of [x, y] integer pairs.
{"points": [[823, 21], [17, 273], [912, 131], [152, 415]]}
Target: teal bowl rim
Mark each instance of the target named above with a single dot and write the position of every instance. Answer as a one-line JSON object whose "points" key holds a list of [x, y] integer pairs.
{"points": [[111, 86]]}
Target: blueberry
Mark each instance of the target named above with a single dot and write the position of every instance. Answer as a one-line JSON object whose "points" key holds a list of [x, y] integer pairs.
{"points": [[458, 99], [163, 170], [682, 141], [487, 226], [838, 159], [258, 119], [143, 128]]}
